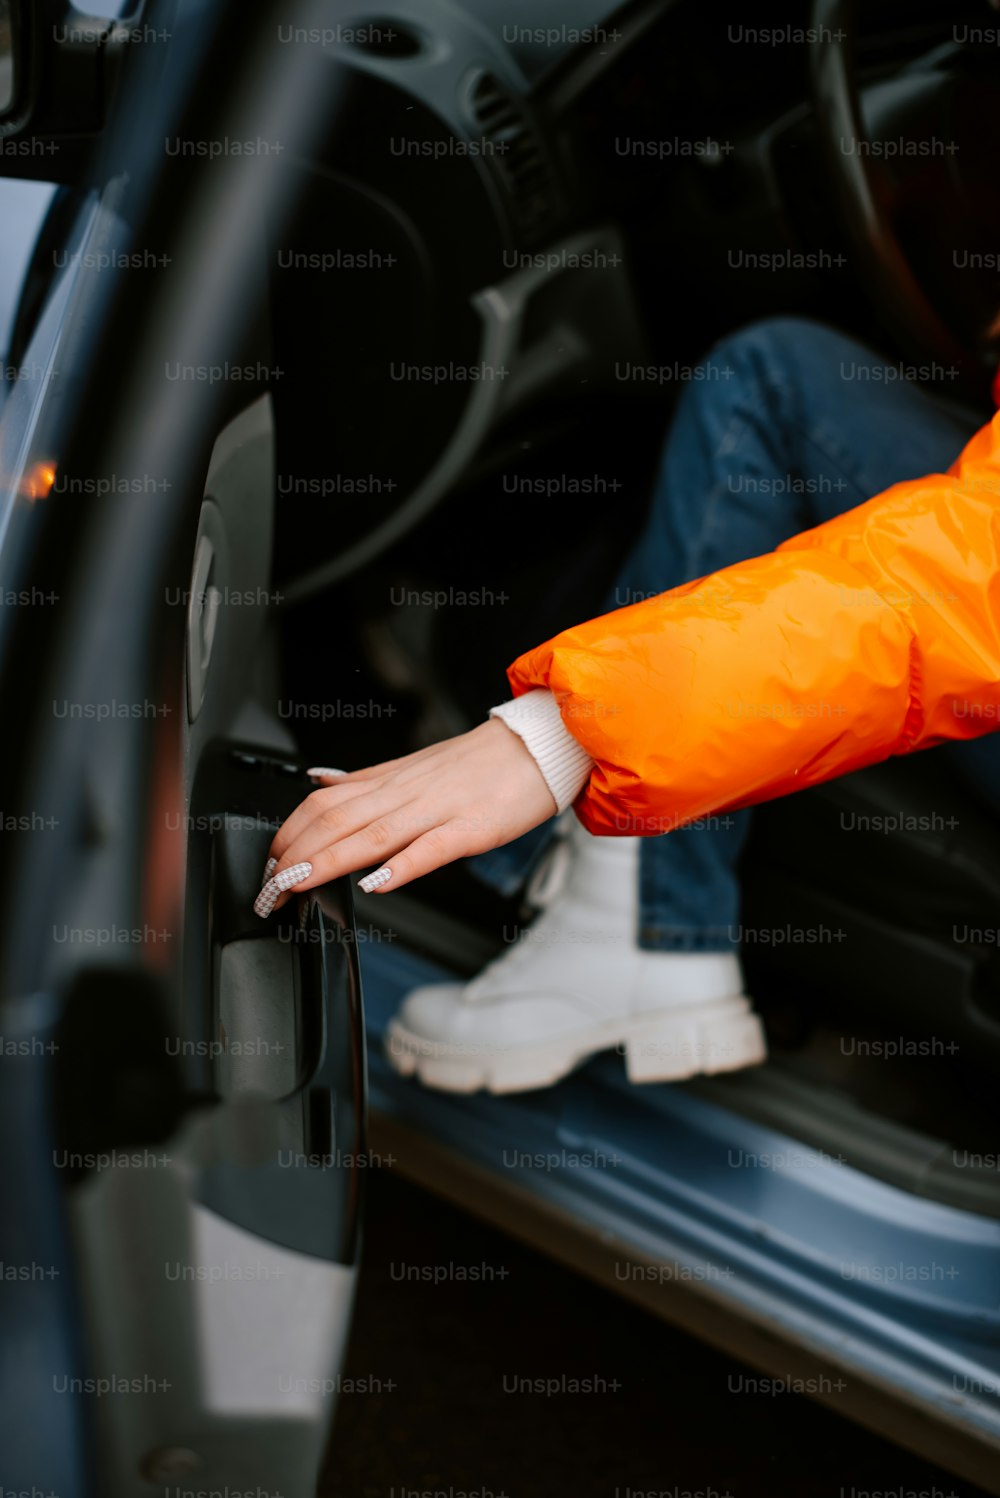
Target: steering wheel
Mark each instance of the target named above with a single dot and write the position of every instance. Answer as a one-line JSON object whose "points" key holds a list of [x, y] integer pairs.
{"points": [[894, 153]]}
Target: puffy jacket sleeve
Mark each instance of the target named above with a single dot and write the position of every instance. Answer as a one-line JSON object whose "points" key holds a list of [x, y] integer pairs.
{"points": [[874, 634]]}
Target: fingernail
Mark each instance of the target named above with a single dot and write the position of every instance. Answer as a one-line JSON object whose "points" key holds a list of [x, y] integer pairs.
{"points": [[269, 868], [266, 900], [375, 881], [314, 774]]}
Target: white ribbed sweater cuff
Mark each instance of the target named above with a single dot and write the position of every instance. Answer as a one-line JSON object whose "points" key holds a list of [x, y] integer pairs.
{"points": [[564, 763]]}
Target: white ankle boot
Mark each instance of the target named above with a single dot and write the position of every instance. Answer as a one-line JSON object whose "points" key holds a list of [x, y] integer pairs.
{"points": [[574, 983]]}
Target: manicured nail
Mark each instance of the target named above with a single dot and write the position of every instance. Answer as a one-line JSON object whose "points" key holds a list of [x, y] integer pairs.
{"points": [[269, 868], [375, 881], [267, 899], [316, 773]]}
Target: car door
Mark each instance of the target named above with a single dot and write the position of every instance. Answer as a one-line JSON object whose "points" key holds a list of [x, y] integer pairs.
{"points": [[182, 1125]]}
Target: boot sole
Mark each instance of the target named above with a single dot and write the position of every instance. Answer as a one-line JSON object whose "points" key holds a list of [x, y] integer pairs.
{"points": [[701, 1040]]}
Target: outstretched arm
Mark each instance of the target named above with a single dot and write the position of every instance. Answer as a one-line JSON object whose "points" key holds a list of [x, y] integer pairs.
{"points": [[872, 635]]}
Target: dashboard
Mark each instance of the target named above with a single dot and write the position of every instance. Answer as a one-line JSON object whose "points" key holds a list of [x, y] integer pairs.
{"points": [[540, 38]]}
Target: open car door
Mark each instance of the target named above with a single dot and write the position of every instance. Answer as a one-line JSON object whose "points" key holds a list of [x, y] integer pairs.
{"points": [[183, 1103]]}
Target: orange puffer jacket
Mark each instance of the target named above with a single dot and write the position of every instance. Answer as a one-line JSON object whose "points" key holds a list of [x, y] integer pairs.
{"points": [[874, 634]]}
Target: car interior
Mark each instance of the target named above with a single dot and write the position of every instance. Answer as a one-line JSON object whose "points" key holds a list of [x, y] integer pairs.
{"points": [[642, 276], [485, 276]]}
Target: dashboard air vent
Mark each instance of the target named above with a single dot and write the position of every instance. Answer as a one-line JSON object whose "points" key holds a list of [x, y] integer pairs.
{"points": [[512, 144]]}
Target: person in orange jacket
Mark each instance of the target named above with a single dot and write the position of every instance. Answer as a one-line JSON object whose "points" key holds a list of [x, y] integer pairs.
{"points": [[775, 626]]}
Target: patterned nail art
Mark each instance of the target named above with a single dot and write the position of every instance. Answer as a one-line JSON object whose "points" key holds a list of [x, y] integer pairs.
{"points": [[267, 899], [375, 881], [269, 868]]}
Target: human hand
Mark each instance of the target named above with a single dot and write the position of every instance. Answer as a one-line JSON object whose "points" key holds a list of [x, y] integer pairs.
{"points": [[462, 796]]}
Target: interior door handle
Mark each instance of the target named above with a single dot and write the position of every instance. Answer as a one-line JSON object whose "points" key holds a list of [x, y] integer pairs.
{"points": [[275, 1014]]}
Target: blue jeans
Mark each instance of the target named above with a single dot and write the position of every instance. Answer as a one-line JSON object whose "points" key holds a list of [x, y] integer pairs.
{"points": [[786, 424]]}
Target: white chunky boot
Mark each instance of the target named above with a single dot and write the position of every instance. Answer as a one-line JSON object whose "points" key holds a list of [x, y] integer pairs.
{"points": [[574, 983]]}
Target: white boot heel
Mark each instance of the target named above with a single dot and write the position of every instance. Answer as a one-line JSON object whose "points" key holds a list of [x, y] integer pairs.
{"points": [[700, 1039]]}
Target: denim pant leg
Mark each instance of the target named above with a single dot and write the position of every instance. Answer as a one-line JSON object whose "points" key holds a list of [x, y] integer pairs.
{"points": [[783, 426]]}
